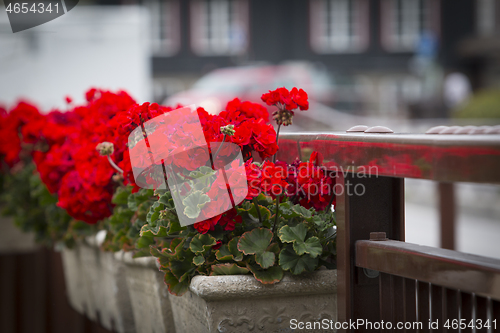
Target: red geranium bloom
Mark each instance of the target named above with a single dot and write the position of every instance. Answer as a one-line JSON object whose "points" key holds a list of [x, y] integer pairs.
{"points": [[289, 100]]}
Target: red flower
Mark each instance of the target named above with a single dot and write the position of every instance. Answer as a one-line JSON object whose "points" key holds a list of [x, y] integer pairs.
{"points": [[311, 184], [286, 102], [246, 109], [243, 134], [251, 133], [264, 140], [230, 219], [300, 98], [207, 225], [23, 123], [289, 100], [253, 179]]}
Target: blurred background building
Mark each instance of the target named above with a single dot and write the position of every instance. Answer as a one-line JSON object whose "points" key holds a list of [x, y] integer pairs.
{"points": [[382, 57], [395, 59]]}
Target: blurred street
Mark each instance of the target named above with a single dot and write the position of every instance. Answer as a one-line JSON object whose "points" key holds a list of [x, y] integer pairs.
{"points": [[475, 234]]}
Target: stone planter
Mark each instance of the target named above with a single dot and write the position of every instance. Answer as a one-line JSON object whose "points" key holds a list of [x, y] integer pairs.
{"points": [[239, 303], [149, 295], [73, 276], [96, 286]]}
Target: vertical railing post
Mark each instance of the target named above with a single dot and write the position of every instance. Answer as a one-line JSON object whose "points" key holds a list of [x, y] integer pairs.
{"points": [[367, 204], [446, 194]]}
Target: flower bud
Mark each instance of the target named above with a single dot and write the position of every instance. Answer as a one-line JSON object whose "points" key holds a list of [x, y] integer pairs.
{"points": [[283, 117], [163, 214], [117, 178], [105, 148], [227, 130]]}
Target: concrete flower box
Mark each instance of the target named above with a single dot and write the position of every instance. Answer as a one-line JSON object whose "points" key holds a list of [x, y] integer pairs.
{"points": [[239, 303], [229, 303], [96, 286], [149, 295], [76, 291]]}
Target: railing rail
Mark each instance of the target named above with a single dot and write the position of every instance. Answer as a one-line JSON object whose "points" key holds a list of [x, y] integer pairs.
{"points": [[445, 158], [447, 268]]}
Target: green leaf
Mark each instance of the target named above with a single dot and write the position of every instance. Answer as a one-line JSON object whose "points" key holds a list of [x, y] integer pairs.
{"points": [[201, 172], [199, 260], [264, 213], [268, 276], [193, 203], [302, 211], [289, 234], [174, 251], [136, 199], [291, 261], [275, 248], [148, 233], [233, 248], [228, 269], [202, 243], [154, 212], [312, 246], [223, 253], [174, 227], [229, 252], [286, 210], [255, 241], [264, 200], [265, 259], [165, 199], [182, 268], [175, 286], [297, 235], [121, 195]]}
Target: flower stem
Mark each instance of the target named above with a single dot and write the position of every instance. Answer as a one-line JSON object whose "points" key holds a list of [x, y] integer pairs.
{"points": [[218, 150], [277, 212], [113, 164], [277, 139], [258, 210]]}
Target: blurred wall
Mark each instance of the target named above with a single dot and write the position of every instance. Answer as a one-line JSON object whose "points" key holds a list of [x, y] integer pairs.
{"points": [[106, 47]]}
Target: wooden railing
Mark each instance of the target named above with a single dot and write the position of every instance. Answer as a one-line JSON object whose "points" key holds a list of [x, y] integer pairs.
{"points": [[390, 280]]}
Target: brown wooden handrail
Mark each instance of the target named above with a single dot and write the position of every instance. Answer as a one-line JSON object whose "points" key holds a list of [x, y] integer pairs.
{"points": [[445, 158], [451, 269]]}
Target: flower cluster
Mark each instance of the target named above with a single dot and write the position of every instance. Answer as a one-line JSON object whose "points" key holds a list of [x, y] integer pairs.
{"points": [[305, 183], [286, 101], [23, 125], [251, 129], [63, 145], [74, 169], [102, 159], [270, 178], [310, 184]]}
